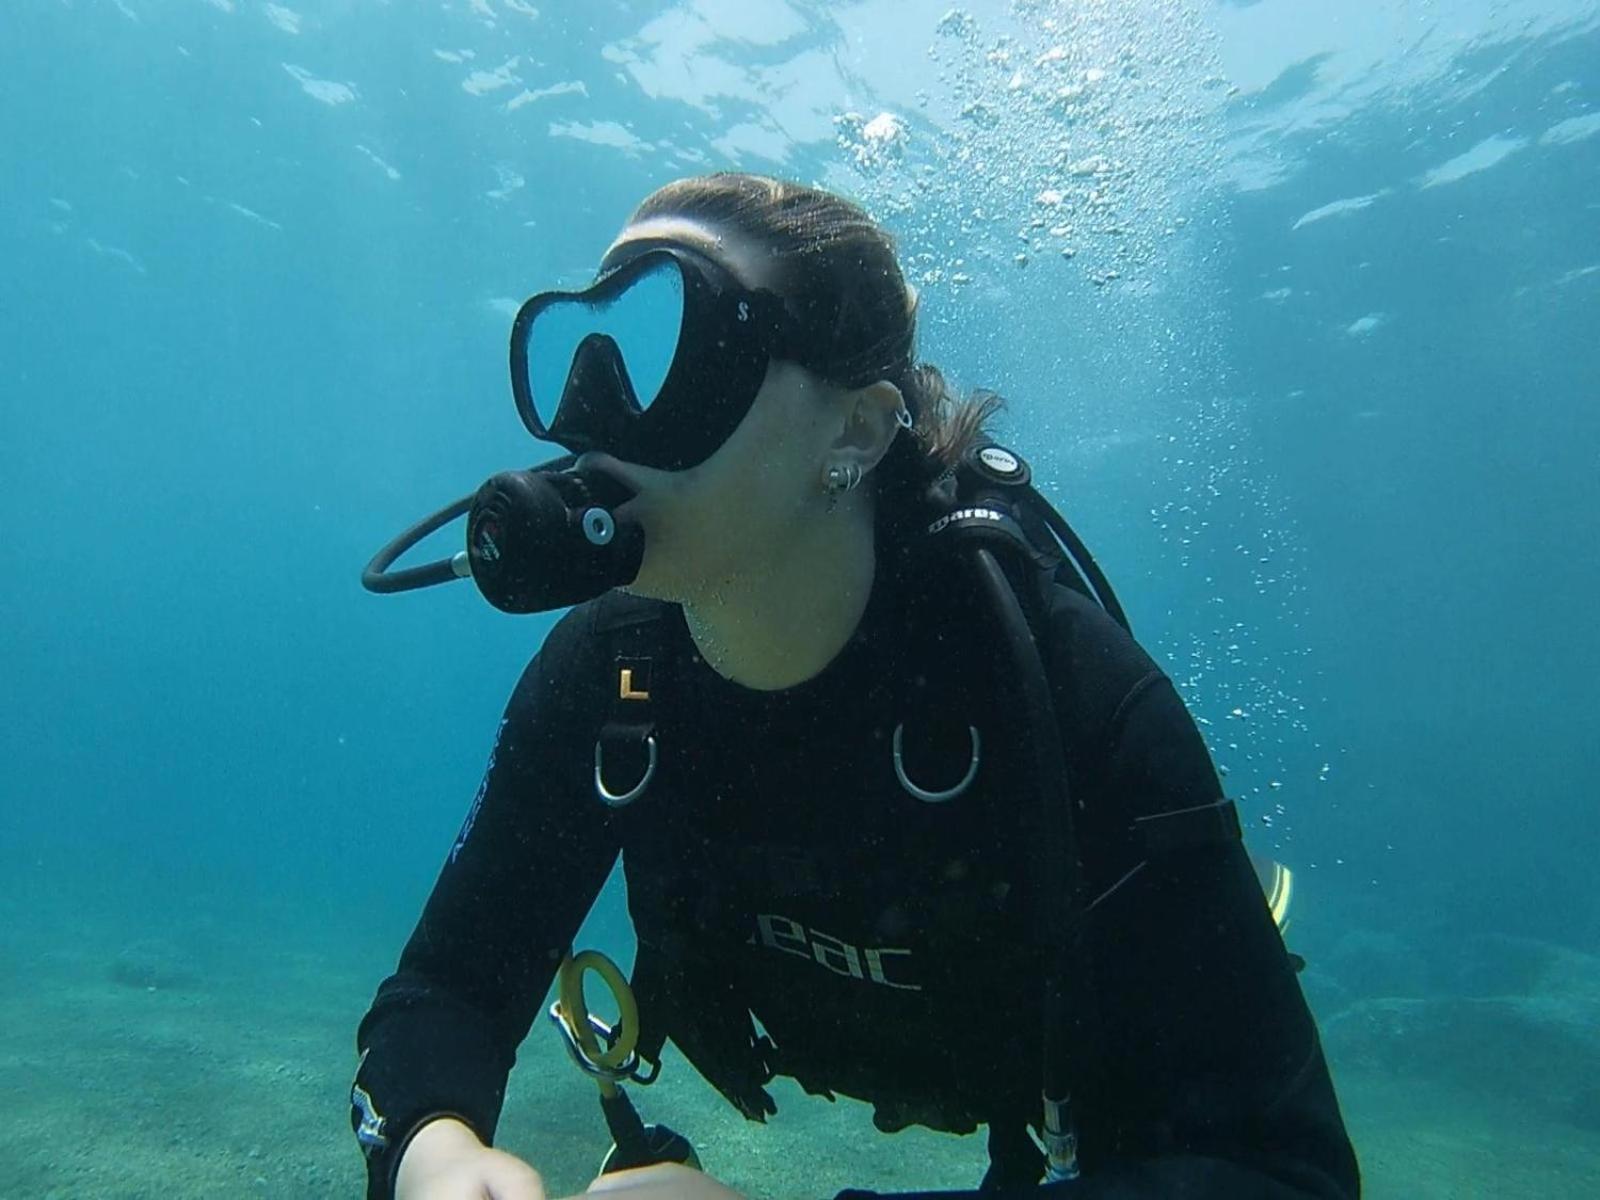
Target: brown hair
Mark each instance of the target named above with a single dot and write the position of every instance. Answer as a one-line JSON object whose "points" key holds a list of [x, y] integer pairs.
{"points": [[840, 277]]}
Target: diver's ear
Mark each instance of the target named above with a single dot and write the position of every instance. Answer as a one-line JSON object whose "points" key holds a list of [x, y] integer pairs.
{"points": [[870, 425]]}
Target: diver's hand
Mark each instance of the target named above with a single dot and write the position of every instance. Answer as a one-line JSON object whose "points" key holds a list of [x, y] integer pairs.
{"points": [[446, 1161], [665, 1181]]}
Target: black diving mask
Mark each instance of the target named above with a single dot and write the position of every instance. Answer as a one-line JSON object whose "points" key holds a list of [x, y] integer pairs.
{"points": [[655, 363]]}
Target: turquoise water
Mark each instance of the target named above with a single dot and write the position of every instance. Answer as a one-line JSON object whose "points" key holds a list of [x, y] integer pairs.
{"points": [[1297, 308]]}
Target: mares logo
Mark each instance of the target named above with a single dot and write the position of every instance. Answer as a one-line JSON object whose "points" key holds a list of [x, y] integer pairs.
{"points": [[965, 514], [840, 957]]}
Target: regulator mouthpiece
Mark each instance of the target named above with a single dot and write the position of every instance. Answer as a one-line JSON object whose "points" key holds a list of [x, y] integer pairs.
{"points": [[538, 540]]}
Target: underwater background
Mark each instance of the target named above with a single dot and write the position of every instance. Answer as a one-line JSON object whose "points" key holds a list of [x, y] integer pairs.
{"points": [[1297, 307]]}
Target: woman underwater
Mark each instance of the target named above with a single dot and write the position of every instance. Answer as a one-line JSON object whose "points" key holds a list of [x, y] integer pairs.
{"points": [[801, 728]]}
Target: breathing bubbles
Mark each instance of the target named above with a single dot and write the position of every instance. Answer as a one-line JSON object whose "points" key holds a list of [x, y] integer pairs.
{"points": [[872, 142], [1074, 129]]}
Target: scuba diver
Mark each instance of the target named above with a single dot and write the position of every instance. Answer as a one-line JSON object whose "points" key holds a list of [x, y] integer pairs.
{"points": [[905, 812]]}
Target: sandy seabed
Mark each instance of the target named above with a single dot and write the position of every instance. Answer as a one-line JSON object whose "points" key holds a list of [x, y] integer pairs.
{"points": [[213, 1059]]}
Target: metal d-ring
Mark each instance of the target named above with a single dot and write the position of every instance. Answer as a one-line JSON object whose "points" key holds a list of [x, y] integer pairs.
{"points": [[628, 1068], [611, 798], [923, 794]]}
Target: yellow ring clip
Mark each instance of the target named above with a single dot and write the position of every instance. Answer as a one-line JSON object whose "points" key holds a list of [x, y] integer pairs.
{"points": [[610, 1062]]}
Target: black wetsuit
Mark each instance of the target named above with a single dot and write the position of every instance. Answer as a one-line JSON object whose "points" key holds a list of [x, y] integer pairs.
{"points": [[776, 866]]}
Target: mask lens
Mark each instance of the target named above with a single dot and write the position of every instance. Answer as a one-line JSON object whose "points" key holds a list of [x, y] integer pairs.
{"points": [[644, 320]]}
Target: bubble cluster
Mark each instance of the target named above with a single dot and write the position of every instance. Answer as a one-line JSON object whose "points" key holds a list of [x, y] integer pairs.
{"points": [[872, 142], [1073, 131]]}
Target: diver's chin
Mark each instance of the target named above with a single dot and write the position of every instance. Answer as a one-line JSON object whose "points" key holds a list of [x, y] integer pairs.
{"points": [[646, 587]]}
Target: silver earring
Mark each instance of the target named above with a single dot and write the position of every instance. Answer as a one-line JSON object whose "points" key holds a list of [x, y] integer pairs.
{"points": [[840, 479], [902, 416]]}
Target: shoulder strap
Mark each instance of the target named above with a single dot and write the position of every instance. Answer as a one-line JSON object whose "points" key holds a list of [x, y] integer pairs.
{"points": [[713, 1030], [1015, 538], [996, 505]]}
